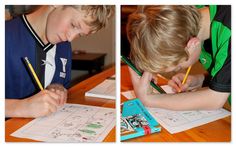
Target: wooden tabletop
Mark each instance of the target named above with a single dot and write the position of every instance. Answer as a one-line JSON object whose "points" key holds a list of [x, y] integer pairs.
{"points": [[76, 96], [217, 131]]}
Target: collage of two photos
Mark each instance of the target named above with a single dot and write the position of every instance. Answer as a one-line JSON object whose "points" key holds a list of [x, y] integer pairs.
{"points": [[60, 73]]}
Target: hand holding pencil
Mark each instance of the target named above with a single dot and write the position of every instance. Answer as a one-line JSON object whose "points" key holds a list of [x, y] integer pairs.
{"points": [[185, 77], [47, 100], [182, 82]]}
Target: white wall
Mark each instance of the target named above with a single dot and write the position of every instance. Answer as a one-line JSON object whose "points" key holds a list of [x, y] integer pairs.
{"points": [[101, 42]]}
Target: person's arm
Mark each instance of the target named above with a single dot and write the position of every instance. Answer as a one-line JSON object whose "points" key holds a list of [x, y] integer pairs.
{"points": [[202, 99], [205, 99], [41, 104]]}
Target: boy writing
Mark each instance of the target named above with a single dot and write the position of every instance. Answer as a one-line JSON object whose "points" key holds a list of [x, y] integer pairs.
{"points": [[43, 36], [170, 38]]}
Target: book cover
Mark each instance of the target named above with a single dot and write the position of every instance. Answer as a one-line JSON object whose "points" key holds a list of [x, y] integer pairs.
{"points": [[136, 120]]}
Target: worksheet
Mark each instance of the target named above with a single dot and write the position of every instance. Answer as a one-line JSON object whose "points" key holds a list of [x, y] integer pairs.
{"points": [[71, 123], [178, 121], [106, 89]]}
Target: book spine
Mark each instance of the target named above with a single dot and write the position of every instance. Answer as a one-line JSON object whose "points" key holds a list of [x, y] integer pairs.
{"points": [[133, 135], [139, 133]]}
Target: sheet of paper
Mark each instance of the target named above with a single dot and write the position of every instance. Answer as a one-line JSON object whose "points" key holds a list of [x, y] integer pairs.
{"points": [[167, 89], [71, 123], [131, 95], [106, 89], [113, 76], [178, 121]]}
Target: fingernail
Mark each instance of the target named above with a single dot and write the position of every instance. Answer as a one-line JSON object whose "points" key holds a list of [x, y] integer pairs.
{"points": [[179, 90]]}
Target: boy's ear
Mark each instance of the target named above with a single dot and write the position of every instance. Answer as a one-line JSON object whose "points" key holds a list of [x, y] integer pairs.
{"points": [[193, 49], [192, 46]]}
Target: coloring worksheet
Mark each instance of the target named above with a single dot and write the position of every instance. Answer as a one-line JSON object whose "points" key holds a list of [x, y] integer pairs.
{"points": [[71, 123], [177, 121]]}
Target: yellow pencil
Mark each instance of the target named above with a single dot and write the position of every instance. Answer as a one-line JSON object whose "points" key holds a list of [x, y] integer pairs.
{"points": [[185, 77], [33, 73]]}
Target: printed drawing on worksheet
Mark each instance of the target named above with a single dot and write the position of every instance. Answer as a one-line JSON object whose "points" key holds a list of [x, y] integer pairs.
{"points": [[72, 123], [177, 121]]}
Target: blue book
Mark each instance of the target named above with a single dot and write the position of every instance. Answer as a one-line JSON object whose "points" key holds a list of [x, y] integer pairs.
{"points": [[136, 120]]}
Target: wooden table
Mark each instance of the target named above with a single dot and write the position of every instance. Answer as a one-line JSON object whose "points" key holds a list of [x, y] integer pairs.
{"points": [[76, 96], [88, 61], [217, 131]]}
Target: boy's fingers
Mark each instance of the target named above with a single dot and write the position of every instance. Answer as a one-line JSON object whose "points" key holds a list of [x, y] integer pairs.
{"points": [[133, 72], [61, 93], [177, 80], [174, 86], [52, 89], [64, 94], [134, 76], [54, 101], [184, 87], [55, 97], [52, 109], [146, 78]]}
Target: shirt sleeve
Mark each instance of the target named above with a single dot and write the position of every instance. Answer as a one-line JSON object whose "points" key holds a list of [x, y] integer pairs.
{"points": [[222, 80], [68, 68]]}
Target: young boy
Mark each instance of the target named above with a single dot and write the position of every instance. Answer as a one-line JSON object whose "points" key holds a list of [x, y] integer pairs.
{"points": [[43, 36], [170, 38]]}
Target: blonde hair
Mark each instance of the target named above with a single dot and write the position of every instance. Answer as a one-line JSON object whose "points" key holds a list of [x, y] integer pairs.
{"points": [[158, 35], [99, 14]]}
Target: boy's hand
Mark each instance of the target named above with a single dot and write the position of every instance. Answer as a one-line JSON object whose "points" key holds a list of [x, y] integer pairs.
{"points": [[60, 90], [141, 85], [192, 82], [41, 104]]}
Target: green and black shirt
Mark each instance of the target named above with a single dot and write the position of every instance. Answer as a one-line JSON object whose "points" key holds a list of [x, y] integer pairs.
{"points": [[216, 51]]}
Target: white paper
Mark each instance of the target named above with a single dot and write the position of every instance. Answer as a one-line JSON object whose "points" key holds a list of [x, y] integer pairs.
{"points": [[178, 121], [167, 89], [131, 95], [106, 89], [71, 123]]}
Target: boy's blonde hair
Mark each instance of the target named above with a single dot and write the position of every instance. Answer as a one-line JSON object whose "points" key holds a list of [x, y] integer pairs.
{"points": [[158, 35], [99, 15]]}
